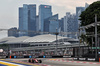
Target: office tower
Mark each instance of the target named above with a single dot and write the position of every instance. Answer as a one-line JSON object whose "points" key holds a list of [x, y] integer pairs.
{"points": [[51, 24], [45, 11], [86, 5], [70, 25], [37, 23], [66, 19], [46, 25], [61, 25], [31, 20], [54, 23], [13, 32], [20, 18], [79, 10], [27, 20]]}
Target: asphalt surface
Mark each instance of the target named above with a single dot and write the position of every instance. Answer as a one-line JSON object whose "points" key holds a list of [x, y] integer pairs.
{"points": [[61, 63], [52, 62]]}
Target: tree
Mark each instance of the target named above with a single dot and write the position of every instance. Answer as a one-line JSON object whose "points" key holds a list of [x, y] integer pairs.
{"points": [[83, 39], [88, 16], [4, 46]]}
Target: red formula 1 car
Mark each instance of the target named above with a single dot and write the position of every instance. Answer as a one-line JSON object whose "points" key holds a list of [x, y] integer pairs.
{"points": [[34, 60]]}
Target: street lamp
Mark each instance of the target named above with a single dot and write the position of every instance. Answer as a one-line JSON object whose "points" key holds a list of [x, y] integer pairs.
{"points": [[56, 41], [96, 36]]}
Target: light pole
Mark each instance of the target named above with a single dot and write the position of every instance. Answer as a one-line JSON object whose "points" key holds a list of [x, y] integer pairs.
{"points": [[56, 41], [96, 36], [92, 45], [79, 41], [95, 24]]}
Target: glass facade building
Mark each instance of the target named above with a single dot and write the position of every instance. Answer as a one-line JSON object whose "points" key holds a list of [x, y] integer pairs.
{"points": [[61, 25], [20, 18], [79, 10], [46, 25], [37, 23], [78, 13], [54, 23], [70, 24], [45, 11], [27, 20], [31, 20], [51, 24]]}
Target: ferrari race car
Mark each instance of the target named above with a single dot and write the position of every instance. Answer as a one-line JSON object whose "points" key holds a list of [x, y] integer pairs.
{"points": [[34, 60]]}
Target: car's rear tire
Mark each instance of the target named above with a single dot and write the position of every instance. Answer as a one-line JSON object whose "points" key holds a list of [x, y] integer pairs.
{"points": [[39, 61], [33, 61], [29, 60]]}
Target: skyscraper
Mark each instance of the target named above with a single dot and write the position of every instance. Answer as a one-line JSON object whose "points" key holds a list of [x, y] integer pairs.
{"points": [[27, 20], [54, 23], [66, 19], [20, 18], [31, 20], [37, 23], [61, 25], [46, 24], [79, 10], [45, 11], [23, 20], [70, 24], [51, 24], [86, 5]]}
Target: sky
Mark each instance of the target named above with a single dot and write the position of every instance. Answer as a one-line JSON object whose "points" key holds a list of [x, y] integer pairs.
{"points": [[9, 9]]}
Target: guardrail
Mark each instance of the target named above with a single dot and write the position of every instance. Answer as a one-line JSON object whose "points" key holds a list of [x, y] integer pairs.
{"points": [[44, 47]]}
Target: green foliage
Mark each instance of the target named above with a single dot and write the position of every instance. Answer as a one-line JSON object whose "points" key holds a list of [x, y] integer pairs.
{"points": [[88, 16], [4, 46]]}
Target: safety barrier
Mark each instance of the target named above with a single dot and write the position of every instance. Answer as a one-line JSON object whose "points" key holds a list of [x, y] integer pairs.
{"points": [[38, 56], [85, 59]]}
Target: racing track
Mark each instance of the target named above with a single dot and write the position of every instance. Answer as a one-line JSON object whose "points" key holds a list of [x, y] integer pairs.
{"points": [[58, 62]]}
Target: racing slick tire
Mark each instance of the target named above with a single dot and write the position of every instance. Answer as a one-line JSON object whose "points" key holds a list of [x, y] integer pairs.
{"points": [[39, 61], [33, 61], [29, 60]]}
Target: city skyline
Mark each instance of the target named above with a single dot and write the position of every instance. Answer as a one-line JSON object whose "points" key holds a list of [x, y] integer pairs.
{"points": [[47, 21], [11, 13]]}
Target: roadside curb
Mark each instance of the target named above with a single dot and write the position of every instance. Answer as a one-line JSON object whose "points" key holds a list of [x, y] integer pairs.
{"points": [[61, 60], [34, 63]]}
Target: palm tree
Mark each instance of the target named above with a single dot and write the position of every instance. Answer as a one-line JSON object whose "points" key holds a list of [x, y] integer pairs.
{"points": [[84, 39]]}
